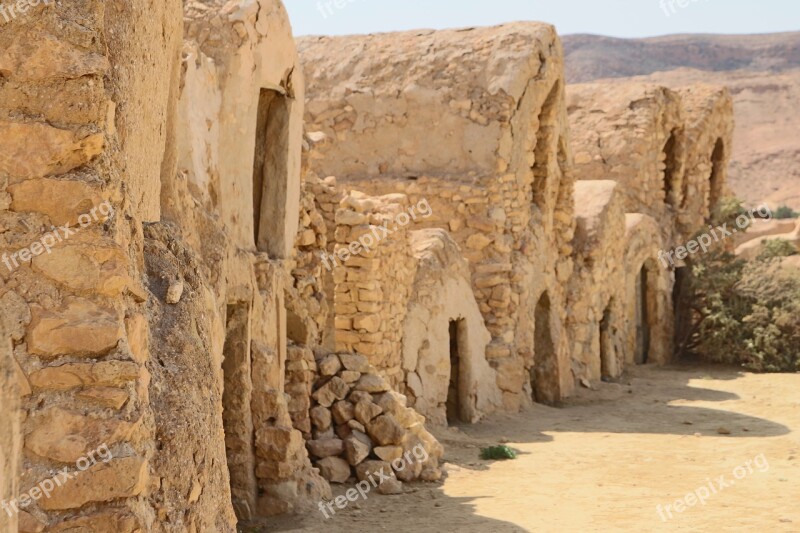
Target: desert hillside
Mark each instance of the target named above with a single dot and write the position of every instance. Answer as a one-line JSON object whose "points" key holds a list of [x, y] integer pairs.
{"points": [[762, 72]]}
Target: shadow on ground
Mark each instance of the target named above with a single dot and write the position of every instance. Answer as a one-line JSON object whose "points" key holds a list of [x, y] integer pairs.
{"points": [[642, 402]]}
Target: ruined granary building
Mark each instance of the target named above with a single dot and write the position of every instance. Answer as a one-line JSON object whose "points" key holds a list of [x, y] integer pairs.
{"points": [[234, 272]]}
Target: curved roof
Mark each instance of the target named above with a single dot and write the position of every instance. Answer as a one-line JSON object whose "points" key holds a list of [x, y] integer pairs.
{"points": [[499, 58]]}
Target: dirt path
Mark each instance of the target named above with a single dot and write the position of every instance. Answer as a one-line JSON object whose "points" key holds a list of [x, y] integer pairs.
{"points": [[608, 458]]}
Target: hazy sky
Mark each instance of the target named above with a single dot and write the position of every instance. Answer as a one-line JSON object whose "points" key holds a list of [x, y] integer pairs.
{"points": [[620, 18]]}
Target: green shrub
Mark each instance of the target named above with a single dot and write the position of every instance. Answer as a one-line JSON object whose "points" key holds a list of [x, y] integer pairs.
{"points": [[784, 212], [776, 248], [498, 452], [744, 313]]}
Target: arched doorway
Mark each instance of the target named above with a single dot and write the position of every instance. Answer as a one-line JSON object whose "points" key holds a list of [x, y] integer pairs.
{"points": [[544, 141], [544, 374], [646, 311], [716, 180], [607, 349], [670, 152], [455, 409], [270, 172]]}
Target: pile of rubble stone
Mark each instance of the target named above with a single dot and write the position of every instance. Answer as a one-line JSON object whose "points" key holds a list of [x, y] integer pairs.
{"points": [[361, 426]]}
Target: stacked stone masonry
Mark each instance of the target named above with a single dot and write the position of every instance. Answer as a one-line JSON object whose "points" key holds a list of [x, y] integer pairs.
{"points": [[223, 290], [490, 155]]}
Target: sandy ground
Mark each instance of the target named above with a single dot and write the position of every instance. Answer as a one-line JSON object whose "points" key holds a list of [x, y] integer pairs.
{"points": [[607, 458]]}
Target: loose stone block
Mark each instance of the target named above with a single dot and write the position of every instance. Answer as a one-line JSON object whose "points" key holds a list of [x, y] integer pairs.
{"points": [[321, 418], [325, 447], [365, 411], [357, 447], [372, 383], [343, 412], [385, 430], [330, 366], [334, 469], [355, 362], [333, 390]]}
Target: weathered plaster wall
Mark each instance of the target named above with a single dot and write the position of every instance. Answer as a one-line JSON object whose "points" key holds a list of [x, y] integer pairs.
{"points": [[641, 252], [241, 217], [251, 48], [442, 294], [597, 291]]}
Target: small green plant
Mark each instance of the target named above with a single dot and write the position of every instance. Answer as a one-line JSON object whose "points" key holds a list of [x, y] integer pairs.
{"points": [[784, 212], [495, 453]]}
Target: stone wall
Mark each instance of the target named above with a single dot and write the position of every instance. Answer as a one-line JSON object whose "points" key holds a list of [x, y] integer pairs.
{"points": [[372, 286], [85, 100], [237, 200], [708, 112], [669, 151], [597, 292], [633, 134], [490, 154]]}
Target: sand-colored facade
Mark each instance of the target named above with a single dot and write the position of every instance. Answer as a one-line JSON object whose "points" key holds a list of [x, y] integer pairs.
{"points": [[182, 307]]}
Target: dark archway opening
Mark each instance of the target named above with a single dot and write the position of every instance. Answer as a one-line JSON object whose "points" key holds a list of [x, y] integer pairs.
{"points": [[681, 300], [455, 409], [544, 375], [606, 346], [716, 179], [671, 167], [642, 317], [270, 172]]}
